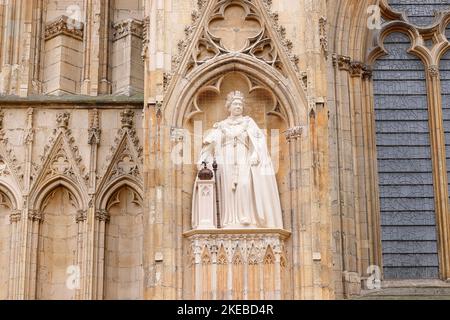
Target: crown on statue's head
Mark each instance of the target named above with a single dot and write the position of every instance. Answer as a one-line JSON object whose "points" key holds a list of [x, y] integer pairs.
{"points": [[234, 95]]}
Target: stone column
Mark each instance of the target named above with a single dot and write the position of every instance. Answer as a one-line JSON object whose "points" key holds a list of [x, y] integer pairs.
{"points": [[81, 252], [35, 218], [96, 44], [14, 265], [294, 139], [94, 134], [101, 218], [21, 19]]}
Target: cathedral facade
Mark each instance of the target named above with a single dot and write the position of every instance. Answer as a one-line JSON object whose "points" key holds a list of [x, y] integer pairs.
{"points": [[104, 110]]}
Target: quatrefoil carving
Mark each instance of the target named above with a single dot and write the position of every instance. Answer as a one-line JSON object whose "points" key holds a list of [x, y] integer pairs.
{"points": [[235, 27]]}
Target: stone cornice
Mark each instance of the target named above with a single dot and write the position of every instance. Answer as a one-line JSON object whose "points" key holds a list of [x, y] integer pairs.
{"points": [[63, 26], [128, 27]]}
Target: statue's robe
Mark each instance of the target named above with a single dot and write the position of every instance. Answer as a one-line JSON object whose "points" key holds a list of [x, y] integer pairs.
{"points": [[248, 194]]}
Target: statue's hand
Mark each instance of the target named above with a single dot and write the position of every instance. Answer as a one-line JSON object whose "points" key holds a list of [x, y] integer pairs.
{"points": [[254, 160]]}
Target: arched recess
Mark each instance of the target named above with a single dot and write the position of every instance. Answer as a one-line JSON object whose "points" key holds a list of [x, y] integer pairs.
{"points": [[201, 103], [275, 102], [405, 157], [120, 239], [6, 209], [57, 249], [55, 240]]}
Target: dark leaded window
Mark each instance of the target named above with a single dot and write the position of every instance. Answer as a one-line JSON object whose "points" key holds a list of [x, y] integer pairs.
{"points": [[409, 238]]}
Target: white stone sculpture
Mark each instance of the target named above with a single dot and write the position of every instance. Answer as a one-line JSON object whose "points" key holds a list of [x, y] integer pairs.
{"points": [[247, 187]]}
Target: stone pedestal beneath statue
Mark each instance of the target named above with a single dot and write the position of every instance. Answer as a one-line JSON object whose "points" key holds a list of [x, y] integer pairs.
{"points": [[206, 203], [240, 264]]}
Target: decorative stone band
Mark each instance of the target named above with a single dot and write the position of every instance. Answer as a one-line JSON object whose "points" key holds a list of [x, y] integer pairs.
{"points": [[253, 244], [64, 25], [294, 133], [128, 27], [102, 215], [355, 68]]}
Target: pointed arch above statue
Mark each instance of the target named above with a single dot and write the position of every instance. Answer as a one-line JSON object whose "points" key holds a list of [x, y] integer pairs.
{"points": [[232, 35]]}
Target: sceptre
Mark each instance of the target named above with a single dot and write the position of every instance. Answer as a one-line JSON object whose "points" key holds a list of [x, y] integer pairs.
{"points": [[215, 166]]}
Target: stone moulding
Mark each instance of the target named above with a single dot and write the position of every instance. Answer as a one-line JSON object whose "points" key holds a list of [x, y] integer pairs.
{"points": [[63, 25], [239, 233]]}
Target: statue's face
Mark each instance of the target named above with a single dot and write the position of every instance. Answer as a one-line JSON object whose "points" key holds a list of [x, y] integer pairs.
{"points": [[236, 108]]}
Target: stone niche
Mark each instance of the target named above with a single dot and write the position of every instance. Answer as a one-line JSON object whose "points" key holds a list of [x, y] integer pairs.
{"points": [[63, 56], [126, 62], [238, 264]]}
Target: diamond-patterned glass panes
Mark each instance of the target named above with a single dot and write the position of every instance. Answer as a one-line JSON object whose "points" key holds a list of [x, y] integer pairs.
{"points": [[408, 222], [420, 12]]}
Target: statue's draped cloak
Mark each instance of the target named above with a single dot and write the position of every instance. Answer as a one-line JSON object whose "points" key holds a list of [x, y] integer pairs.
{"points": [[264, 201]]}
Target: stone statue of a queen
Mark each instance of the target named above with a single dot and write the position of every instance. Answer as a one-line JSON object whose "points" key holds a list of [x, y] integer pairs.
{"points": [[247, 187]]}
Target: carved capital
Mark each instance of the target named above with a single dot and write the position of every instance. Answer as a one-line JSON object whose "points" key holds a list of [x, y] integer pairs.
{"points": [[433, 71], [294, 133], [81, 216], [102, 215], [35, 215], [15, 216]]}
